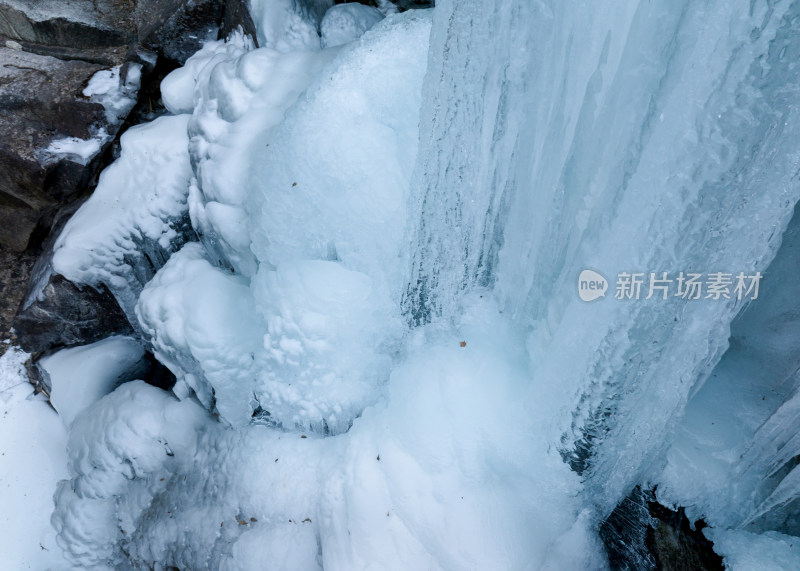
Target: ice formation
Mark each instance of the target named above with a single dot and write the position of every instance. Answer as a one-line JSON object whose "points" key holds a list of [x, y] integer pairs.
{"points": [[382, 359], [117, 95], [137, 215], [344, 23], [101, 367], [79, 150]]}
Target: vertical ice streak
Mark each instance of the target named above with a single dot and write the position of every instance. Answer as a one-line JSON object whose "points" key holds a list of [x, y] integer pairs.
{"points": [[620, 137], [469, 135]]}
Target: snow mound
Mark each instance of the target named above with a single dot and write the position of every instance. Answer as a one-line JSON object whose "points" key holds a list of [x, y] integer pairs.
{"points": [[177, 88], [437, 476], [285, 25], [332, 180], [203, 326], [121, 451]]}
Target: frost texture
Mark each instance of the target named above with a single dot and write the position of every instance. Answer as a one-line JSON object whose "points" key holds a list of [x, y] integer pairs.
{"points": [[136, 216], [304, 201]]}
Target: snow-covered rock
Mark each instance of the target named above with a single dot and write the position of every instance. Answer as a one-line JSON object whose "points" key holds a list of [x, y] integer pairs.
{"points": [[137, 215], [344, 23]]}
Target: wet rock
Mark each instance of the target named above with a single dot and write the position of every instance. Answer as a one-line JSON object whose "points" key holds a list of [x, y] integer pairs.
{"points": [[62, 314], [77, 24], [402, 5], [237, 16], [157, 374], [183, 32], [641, 534], [40, 100], [15, 270], [624, 533]]}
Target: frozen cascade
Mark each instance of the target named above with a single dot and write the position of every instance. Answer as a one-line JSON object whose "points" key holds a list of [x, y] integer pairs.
{"points": [[734, 454], [382, 358], [629, 139]]}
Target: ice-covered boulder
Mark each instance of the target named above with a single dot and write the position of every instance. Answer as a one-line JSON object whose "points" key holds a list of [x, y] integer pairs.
{"points": [[80, 376], [122, 450], [300, 227], [344, 23], [136, 217], [287, 25]]}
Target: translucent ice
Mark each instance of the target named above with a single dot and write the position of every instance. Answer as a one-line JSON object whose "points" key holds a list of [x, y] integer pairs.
{"points": [[80, 376]]}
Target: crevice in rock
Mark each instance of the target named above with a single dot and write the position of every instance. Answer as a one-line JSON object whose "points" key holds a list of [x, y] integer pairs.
{"points": [[641, 534]]}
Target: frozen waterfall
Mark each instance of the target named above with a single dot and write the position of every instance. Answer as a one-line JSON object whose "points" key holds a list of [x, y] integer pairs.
{"points": [[382, 357]]}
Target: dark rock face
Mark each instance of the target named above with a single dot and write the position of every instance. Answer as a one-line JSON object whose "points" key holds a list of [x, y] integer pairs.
{"points": [[15, 271], [183, 32], [111, 31], [57, 48], [81, 24], [402, 5], [414, 4], [64, 314], [237, 16], [624, 534], [40, 100], [48, 53], [641, 534]]}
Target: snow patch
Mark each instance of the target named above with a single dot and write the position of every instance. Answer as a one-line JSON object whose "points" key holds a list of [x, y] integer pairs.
{"points": [[33, 459]]}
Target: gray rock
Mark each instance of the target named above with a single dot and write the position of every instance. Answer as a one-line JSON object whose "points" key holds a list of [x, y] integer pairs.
{"points": [[237, 16], [111, 31], [404, 5], [641, 534], [15, 270], [72, 23], [51, 51], [180, 34], [40, 100], [62, 314]]}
